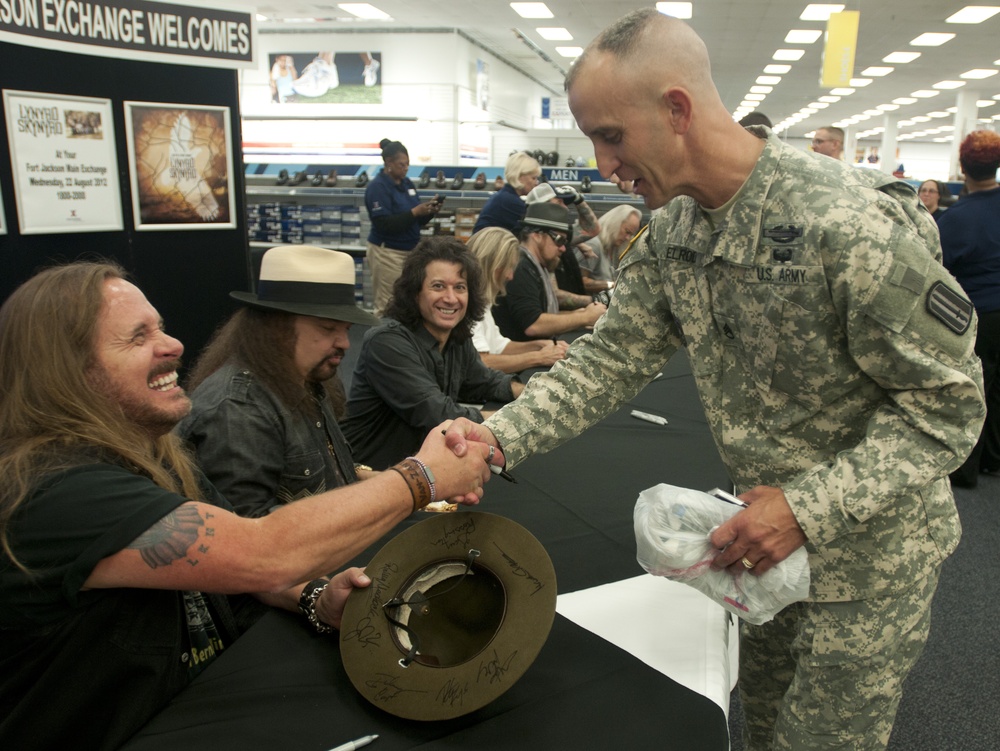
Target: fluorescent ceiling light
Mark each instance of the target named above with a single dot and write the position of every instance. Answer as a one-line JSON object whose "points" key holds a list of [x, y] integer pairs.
{"points": [[803, 36], [748, 103], [860, 83], [842, 92], [952, 110], [819, 105], [973, 14], [888, 107], [808, 111], [937, 113], [905, 123], [984, 103], [570, 51], [921, 119], [949, 84], [979, 73], [900, 57], [777, 69], [768, 80], [554, 33], [931, 39], [261, 17], [878, 70], [756, 97], [924, 93], [365, 10], [677, 10], [819, 12], [761, 89], [788, 55], [904, 100], [829, 99], [532, 10], [873, 112]]}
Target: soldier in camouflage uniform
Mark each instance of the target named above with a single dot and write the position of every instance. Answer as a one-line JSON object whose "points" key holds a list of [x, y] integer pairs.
{"points": [[833, 355]]}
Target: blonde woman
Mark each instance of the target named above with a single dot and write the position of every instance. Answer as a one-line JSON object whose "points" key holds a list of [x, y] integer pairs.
{"points": [[506, 207], [496, 249]]}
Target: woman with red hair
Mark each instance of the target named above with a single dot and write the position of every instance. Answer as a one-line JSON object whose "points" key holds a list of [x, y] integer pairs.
{"points": [[970, 241]]}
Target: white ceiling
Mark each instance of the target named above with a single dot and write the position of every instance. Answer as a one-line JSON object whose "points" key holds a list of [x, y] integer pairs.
{"points": [[742, 36]]}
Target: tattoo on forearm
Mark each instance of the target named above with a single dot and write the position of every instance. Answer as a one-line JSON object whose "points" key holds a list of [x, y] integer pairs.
{"points": [[588, 219], [171, 538]]}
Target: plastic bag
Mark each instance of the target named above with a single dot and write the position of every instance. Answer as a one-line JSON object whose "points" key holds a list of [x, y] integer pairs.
{"points": [[672, 529]]}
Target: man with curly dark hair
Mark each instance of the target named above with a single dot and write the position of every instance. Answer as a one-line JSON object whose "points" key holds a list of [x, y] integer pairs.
{"points": [[419, 367], [970, 242]]}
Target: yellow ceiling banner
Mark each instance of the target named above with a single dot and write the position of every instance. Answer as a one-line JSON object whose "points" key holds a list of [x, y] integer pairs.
{"points": [[838, 53]]}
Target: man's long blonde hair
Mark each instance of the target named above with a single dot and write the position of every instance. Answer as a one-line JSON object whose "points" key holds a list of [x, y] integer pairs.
{"points": [[51, 418]]}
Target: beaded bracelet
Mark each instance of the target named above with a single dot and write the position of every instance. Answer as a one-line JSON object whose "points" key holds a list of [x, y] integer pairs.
{"points": [[307, 604], [419, 479]]}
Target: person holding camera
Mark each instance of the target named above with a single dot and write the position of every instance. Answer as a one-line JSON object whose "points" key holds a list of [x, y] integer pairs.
{"points": [[397, 215]]}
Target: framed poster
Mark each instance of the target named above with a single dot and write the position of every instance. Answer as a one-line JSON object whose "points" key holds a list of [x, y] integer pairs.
{"points": [[180, 166], [62, 153]]}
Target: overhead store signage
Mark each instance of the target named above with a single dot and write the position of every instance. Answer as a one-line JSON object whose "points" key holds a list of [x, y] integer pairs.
{"points": [[158, 32], [838, 52]]}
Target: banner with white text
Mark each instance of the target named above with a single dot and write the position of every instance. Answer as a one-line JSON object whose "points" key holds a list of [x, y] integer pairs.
{"points": [[136, 29]]}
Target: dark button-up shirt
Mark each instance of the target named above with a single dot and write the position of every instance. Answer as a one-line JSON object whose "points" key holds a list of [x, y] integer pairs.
{"points": [[256, 451], [403, 386]]}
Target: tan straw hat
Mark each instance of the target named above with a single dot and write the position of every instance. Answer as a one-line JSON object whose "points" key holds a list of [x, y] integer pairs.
{"points": [[309, 281]]}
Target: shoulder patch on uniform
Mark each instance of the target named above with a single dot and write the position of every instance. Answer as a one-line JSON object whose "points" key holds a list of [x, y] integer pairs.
{"points": [[949, 307], [632, 241]]}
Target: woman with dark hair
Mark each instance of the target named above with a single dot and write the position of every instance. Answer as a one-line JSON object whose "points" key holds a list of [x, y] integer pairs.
{"points": [[420, 367], [397, 216], [970, 241], [933, 193]]}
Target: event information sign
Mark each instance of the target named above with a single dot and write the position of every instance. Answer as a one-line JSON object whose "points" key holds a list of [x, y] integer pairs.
{"points": [[62, 152]]}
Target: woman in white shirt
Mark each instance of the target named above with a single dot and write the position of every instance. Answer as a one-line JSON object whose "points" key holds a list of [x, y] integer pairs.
{"points": [[496, 249]]}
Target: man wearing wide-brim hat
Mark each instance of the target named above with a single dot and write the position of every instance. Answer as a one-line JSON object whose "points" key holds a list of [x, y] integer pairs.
{"points": [[265, 391], [530, 308]]}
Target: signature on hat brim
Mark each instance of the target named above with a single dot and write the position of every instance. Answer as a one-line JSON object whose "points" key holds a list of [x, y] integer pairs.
{"points": [[475, 644]]}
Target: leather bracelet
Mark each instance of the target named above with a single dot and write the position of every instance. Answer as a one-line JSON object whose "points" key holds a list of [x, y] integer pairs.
{"points": [[412, 471], [307, 604], [428, 475]]}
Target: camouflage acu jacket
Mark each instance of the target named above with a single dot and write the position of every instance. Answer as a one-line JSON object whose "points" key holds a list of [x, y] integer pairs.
{"points": [[832, 352]]}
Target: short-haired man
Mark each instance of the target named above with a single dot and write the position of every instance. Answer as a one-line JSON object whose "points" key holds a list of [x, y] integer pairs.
{"points": [[829, 141], [833, 356], [530, 309], [420, 367], [265, 392], [116, 553]]}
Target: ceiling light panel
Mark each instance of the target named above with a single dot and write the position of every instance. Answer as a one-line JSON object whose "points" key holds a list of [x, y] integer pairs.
{"points": [[532, 10], [777, 69], [803, 36], [677, 10], [819, 12], [878, 71], [900, 57], [973, 14], [931, 39], [977, 73], [554, 33], [570, 51], [788, 55], [365, 10]]}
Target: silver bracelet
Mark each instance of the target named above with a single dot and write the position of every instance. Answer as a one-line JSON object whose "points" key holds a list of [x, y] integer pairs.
{"points": [[307, 604]]}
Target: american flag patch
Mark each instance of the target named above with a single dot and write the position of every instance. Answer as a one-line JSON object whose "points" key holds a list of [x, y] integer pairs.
{"points": [[949, 307]]}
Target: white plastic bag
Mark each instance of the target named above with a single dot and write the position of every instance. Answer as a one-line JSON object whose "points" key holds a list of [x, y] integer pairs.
{"points": [[672, 529]]}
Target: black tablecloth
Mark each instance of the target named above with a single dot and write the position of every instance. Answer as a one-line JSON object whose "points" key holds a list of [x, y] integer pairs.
{"points": [[281, 687]]}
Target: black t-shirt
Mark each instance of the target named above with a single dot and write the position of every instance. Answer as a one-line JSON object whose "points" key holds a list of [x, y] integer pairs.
{"points": [[86, 669]]}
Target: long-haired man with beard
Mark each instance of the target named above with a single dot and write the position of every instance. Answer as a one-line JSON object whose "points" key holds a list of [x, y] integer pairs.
{"points": [[265, 392]]}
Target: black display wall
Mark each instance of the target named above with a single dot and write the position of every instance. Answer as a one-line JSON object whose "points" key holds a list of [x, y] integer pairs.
{"points": [[186, 274]]}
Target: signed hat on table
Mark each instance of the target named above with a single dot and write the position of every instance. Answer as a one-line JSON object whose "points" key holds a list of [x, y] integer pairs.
{"points": [[459, 607]]}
